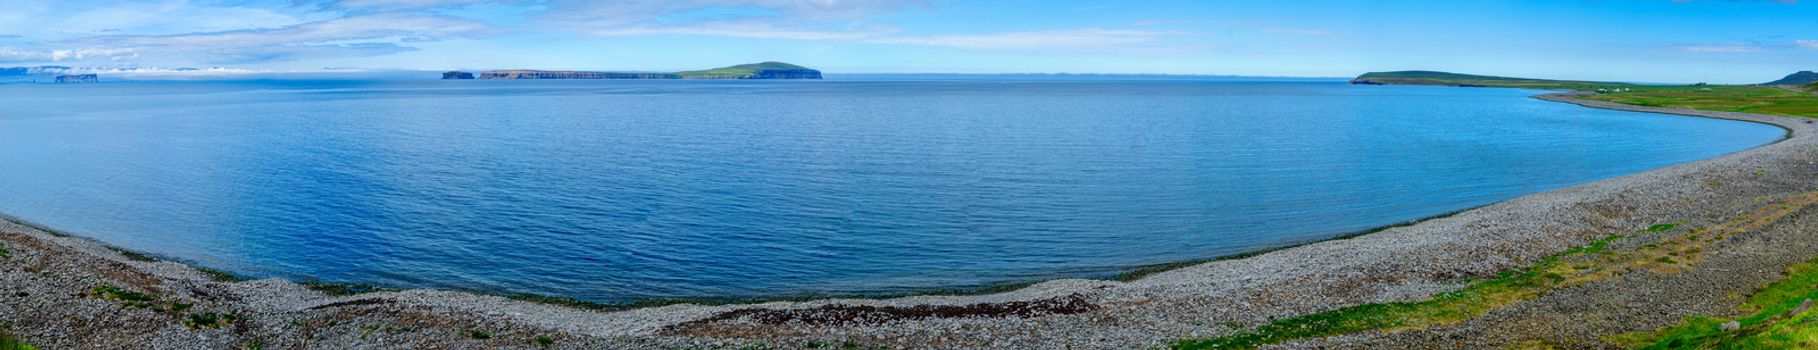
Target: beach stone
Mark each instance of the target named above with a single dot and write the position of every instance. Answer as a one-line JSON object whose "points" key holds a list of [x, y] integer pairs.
{"points": [[1730, 326]]}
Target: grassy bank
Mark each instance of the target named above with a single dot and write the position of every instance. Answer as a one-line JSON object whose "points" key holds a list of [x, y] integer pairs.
{"points": [[1673, 249], [1726, 98], [1776, 317]]}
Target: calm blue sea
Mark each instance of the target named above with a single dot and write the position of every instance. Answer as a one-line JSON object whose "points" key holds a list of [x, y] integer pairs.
{"points": [[618, 190]]}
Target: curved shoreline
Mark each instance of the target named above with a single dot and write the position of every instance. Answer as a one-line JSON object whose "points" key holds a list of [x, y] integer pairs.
{"points": [[1397, 263]]}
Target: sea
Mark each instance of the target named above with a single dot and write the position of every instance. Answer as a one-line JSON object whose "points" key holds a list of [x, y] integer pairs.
{"points": [[626, 190]]}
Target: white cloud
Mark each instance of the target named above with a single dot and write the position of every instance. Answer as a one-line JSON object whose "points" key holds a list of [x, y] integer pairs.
{"points": [[8, 54], [782, 19], [1724, 48], [1806, 43], [365, 35]]}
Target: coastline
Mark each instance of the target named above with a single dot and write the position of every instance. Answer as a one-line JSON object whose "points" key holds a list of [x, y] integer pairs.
{"points": [[1397, 263]]}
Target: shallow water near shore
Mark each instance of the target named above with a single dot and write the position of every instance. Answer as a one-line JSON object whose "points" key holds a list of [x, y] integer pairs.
{"points": [[618, 190]]}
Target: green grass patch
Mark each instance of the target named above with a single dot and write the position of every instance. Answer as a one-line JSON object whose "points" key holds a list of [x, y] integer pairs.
{"points": [[745, 70], [1767, 324], [1726, 98], [543, 340], [1476, 299], [127, 298], [209, 320], [1661, 227], [4, 254], [479, 335], [8, 342]]}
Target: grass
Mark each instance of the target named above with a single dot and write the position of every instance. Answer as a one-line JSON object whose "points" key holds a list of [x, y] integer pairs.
{"points": [[209, 320], [479, 335], [543, 340], [3, 253], [1767, 323], [1726, 98], [1446, 308], [1572, 267], [1661, 227], [743, 70], [7, 342], [127, 298]]}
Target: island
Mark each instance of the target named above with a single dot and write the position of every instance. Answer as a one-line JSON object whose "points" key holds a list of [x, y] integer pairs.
{"points": [[1802, 78], [78, 78], [764, 70], [457, 75]]}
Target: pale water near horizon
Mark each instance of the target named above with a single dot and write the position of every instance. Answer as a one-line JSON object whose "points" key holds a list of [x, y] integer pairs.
{"points": [[618, 190]]}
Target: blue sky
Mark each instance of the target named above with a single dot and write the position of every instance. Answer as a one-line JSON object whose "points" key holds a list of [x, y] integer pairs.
{"points": [[1655, 41]]}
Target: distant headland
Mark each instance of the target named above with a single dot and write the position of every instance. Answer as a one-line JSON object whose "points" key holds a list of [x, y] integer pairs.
{"points": [[764, 70]]}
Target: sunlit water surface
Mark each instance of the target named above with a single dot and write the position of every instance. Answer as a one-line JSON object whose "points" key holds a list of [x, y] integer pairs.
{"points": [[618, 190]]}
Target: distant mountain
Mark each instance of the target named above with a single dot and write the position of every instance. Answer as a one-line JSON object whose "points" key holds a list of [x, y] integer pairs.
{"points": [[1421, 77], [1796, 79], [765, 70]]}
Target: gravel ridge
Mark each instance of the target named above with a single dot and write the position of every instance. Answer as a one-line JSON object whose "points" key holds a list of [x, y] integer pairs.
{"points": [[47, 285]]}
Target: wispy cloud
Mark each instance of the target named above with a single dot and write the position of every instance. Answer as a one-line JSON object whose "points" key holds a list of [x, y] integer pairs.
{"points": [[365, 35], [750, 29], [1301, 31], [406, 4], [815, 20], [1806, 43], [10, 55], [1721, 48]]}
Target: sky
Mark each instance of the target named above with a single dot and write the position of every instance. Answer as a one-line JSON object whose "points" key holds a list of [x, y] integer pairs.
{"points": [[1718, 41]]}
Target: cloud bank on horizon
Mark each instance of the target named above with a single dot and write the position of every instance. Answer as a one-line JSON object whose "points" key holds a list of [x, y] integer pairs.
{"points": [[1665, 40]]}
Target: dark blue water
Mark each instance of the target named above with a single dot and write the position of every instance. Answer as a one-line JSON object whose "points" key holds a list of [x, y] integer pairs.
{"points": [[615, 190]]}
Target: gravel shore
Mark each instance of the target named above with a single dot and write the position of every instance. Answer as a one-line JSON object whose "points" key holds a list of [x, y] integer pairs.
{"points": [[49, 285]]}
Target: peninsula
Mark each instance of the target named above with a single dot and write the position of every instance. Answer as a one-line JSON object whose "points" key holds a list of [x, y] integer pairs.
{"points": [[764, 70]]}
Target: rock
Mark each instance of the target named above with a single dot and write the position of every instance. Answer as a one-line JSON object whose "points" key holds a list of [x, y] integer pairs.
{"points": [[1803, 305], [78, 78], [1730, 326], [457, 75]]}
